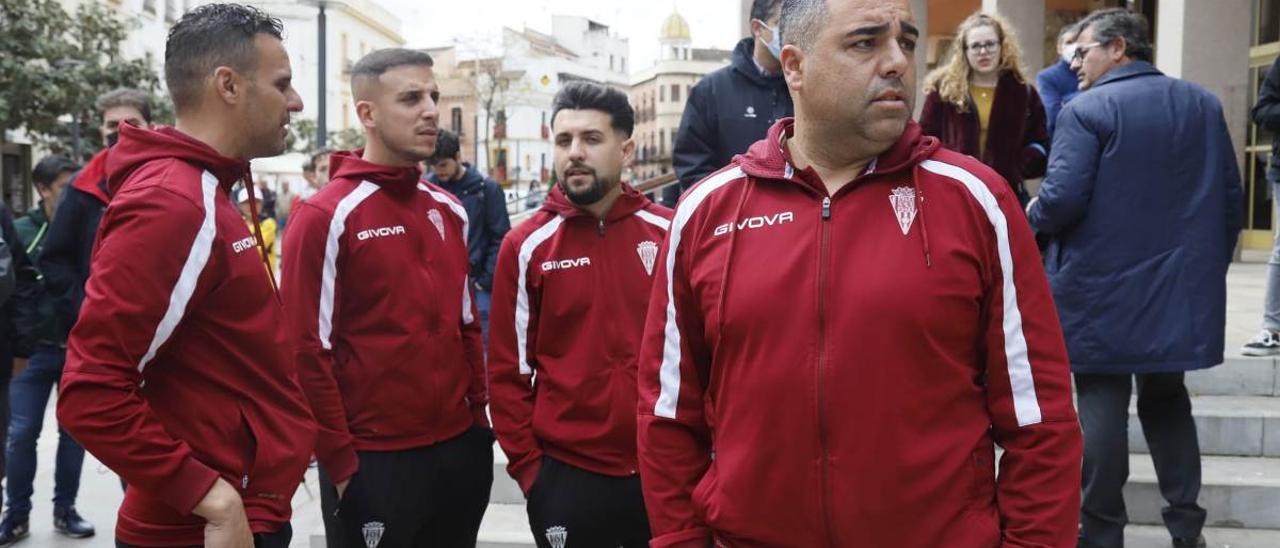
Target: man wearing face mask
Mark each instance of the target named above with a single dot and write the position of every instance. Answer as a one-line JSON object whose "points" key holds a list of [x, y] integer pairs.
{"points": [[733, 107], [569, 301], [64, 260], [1058, 83]]}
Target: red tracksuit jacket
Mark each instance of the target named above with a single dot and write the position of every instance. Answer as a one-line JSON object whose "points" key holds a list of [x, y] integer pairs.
{"points": [[851, 361], [379, 306], [569, 298], [178, 371]]}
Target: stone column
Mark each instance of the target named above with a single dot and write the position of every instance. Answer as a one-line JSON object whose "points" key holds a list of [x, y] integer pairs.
{"points": [[1027, 18], [920, 9], [1208, 43]]}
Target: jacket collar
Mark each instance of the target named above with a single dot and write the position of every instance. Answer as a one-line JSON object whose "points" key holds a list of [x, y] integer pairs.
{"points": [[1133, 69]]}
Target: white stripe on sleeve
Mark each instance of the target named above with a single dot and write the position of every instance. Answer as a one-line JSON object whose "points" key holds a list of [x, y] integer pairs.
{"points": [[669, 374], [337, 225], [1025, 405], [655, 220], [197, 258], [542, 234]]}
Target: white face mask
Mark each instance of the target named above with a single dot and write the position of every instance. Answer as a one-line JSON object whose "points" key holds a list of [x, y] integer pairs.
{"points": [[1068, 52], [774, 45]]}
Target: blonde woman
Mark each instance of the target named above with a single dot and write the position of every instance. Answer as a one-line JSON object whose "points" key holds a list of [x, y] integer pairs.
{"points": [[980, 103]]}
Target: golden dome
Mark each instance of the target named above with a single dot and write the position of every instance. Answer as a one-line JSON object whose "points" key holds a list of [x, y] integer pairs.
{"points": [[675, 28]]}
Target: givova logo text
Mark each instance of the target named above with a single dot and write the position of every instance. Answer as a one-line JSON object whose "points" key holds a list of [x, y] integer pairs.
{"points": [[379, 232], [760, 221]]}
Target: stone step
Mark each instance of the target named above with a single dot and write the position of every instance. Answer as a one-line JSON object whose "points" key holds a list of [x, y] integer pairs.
{"points": [[1245, 426], [1237, 376], [1238, 492], [505, 526], [1156, 536]]}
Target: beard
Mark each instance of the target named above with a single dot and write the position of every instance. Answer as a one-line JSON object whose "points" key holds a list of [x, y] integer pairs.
{"points": [[593, 193]]}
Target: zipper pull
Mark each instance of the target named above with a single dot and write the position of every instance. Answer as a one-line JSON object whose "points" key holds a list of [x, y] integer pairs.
{"points": [[601, 227], [244, 482], [826, 207]]}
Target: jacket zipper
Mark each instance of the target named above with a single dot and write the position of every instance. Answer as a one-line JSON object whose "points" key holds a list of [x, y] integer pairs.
{"points": [[600, 227], [822, 362]]}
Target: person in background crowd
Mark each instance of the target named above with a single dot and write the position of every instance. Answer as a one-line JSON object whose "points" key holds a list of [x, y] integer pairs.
{"points": [[376, 284], [178, 372], [65, 253], [1140, 211], [264, 222], [733, 107], [486, 210], [848, 288], [1058, 83], [34, 379], [979, 103], [19, 294], [571, 436], [1266, 113]]}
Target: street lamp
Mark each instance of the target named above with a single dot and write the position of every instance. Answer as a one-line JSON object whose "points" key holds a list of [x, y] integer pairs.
{"points": [[322, 130]]}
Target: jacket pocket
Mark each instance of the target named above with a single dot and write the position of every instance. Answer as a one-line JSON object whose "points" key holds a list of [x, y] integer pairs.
{"points": [[248, 453], [983, 474], [703, 492]]}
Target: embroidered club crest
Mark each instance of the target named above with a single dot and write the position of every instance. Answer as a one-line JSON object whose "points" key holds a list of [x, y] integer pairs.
{"points": [[373, 533], [903, 200], [648, 251], [437, 220], [557, 536]]}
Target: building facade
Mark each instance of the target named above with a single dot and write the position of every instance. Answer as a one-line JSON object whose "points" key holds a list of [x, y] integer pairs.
{"points": [[659, 94]]}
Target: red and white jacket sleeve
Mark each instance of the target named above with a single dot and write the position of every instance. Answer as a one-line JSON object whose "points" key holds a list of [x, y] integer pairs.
{"points": [[512, 362], [1029, 393], [473, 346], [125, 322], [306, 298], [674, 441]]}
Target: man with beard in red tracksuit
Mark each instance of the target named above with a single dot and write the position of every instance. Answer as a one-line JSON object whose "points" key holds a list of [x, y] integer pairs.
{"points": [[850, 319], [570, 296], [388, 347], [178, 375]]}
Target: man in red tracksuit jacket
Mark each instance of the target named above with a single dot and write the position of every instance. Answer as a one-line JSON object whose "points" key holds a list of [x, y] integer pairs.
{"points": [[850, 319], [387, 342], [178, 375], [570, 293]]}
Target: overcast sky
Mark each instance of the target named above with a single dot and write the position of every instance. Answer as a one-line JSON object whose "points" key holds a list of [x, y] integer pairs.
{"points": [[429, 23]]}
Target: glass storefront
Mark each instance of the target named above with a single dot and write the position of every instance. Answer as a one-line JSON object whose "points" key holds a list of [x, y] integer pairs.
{"points": [[1260, 222]]}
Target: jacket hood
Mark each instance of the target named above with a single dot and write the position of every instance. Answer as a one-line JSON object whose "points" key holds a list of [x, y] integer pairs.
{"points": [[744, 61], [90, 179], [138, 146], [628, 203], [349, 164], [768, 159], [471, 181]]}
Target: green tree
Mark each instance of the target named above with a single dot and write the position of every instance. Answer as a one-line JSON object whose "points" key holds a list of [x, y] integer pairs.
{"points": [[53, 65], [302, 137]]}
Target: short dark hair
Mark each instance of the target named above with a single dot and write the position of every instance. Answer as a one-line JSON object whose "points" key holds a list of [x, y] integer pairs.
{"points": [[1068, 28], [763, 9], [371, 66], [801, 21], [125, 97], [49, 168], [208, 37], [317, 155], [447, 147], [1110, 24], [583, 95]]}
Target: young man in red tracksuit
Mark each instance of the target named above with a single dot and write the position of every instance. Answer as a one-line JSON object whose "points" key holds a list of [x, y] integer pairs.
{"points": [[569, 299], [388, 346], [178, 375], [850, 319]]}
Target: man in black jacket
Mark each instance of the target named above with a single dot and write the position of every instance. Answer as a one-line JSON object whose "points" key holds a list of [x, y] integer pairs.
{"points": [[733, 107], [1267, 115], [64, 260], [19, 293], [486, 212]]}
